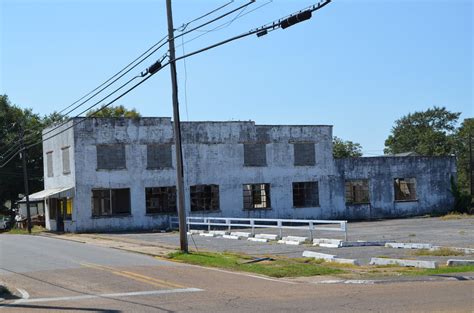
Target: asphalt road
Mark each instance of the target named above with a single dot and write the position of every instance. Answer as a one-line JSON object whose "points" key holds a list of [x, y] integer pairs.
{"points": [[60, 276]]}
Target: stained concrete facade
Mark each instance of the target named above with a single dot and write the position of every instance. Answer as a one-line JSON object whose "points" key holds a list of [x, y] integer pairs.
{"points": [[214, 154]]}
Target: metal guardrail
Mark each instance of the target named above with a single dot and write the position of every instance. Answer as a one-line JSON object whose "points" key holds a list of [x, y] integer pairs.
{"points": [[280, 224]]}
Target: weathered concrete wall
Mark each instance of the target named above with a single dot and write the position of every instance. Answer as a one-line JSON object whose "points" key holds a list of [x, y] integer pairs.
{"points": [[213, 154], [54, 141], [432, 185]]}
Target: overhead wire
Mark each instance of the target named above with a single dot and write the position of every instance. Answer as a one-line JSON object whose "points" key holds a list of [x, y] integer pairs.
{"points": [[267, 27], [156, 49]]}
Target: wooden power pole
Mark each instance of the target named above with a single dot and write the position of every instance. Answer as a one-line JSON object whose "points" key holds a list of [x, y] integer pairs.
{"points": [[25, 180], [177, 135]]}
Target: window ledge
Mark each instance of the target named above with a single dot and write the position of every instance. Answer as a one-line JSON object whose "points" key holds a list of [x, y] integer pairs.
{"points": [[401, 201], [110, 169], [258, 209], [205, 211], [159, 168], [357, 203], [306, 207], [161, 213], [246, 165], [112, 216], [66, 173]]}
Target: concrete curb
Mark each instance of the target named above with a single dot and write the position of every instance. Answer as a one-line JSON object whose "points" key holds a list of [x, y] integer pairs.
{"points": [[403, 245], [454, 262], [406, 263], [257, 239], [329, 258], [289, 242], [231, 237], [266, 236], [241, 234]]}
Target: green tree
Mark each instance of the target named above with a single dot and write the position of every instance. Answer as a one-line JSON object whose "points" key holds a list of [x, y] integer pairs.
{"points": [[430, 132], [12, 120], [114, 111], [462, 137], [345, 149]]}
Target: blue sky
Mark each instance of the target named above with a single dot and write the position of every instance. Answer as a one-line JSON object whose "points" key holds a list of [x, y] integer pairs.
{"points": [[357, 65]]}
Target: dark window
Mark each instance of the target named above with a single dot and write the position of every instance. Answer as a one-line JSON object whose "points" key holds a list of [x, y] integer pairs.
{"points": [[111, 157], [49, 163], [161, 200], [405, 189], [107, 202], [204, 198], [256, 196], [52, 206], [255, 154], [304, 154], [66, 161], [357, 191], [159, 156], [305, 194]]}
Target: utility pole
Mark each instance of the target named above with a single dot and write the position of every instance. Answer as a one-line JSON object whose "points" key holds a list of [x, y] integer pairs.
{"points": [[177, 135], [25, 180], [471, 164]]}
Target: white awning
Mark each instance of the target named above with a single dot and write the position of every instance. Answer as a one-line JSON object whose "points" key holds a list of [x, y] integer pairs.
{"points": [[48, 193]]}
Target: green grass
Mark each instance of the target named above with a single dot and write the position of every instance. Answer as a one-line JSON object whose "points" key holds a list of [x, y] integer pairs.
{"points": [[438, 252], [34, 230], [280, 267], [437, 271]]}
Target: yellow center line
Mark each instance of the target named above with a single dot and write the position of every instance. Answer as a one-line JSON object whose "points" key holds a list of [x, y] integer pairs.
{"points": [[132, 275]]}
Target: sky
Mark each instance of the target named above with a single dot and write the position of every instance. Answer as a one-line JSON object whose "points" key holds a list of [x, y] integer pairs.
{"points": [[357, 65]]}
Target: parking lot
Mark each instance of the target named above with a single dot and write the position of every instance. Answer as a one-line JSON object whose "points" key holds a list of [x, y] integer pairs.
{"points": [[432, 230]]}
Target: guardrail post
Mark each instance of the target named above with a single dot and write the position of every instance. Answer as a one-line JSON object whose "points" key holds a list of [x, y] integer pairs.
{"points": [[311, 228], [208, 221], [252, 223], [344, 228], [227, 221], [280, 230]]}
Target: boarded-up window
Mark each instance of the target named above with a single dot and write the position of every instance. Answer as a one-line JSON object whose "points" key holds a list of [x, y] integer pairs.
{"points": [[304, 154], [357, 191], [66, 161], [161, 200], [107, 202], [305, 194], [49, 163], [159, 156], [256, 196], [111, 157], [255, 154], [405, 189], [204, 198]]}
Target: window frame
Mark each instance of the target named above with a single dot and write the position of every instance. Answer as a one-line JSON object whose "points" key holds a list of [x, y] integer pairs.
{"points": [[100, 166], [194, 192], [169, 208], [49, 164], [395, 193], [110, 198], [296, 161], [66, 150], [305, 188], [249, 196], [352, 181]]}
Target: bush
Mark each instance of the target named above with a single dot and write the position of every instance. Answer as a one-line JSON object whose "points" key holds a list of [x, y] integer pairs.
{"points": [[462, 200]]}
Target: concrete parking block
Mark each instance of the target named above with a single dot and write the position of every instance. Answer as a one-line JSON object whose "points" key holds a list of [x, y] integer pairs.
{"points": [[401, 245], [360, 243], [326, 242], [290, 242], [453, 262], [195, 231], [345, 261], [207, 235], [266, 236], [464, 250], [401, 262], [231, 237], [241, 234], [295, 238], [218, 232], [257, 239], [317, 255]]}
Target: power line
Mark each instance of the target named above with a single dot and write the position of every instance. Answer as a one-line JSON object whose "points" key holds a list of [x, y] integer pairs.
{"points": [[185, 25], [260, 31], [152, 52]]}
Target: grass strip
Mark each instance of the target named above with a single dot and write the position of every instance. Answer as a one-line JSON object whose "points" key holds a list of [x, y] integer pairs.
{"points": [[437, 271], [34, 230], [438, 252], [280, 267]]}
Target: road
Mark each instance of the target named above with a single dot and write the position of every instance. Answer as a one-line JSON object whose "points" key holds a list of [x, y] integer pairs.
{"points": [[60, 276]]}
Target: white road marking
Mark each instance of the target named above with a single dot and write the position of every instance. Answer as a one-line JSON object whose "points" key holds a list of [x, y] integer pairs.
{"points": [[24, 294], [106, 295], [244, 274]]}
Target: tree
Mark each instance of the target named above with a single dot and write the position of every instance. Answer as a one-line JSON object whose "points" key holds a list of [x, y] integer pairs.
{"points": [[462, 137], [12, 120], [114, 111], [345, 149], [429, 132]]}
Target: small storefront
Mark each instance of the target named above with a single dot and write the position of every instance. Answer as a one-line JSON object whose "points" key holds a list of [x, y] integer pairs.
{"points": [[57, 204]]}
